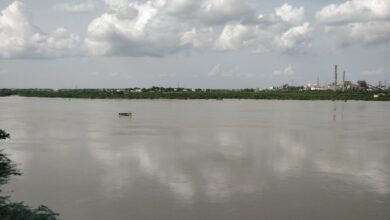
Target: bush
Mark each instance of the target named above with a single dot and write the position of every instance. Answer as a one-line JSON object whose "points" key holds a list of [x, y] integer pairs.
{"points": [[17, 211]]}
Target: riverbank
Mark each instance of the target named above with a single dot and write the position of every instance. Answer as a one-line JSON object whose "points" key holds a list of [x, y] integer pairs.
{"points": [[209, 94], [18, 210]]}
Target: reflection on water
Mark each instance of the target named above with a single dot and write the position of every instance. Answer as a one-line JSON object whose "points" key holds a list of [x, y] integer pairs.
{"points": [[201, 159]]}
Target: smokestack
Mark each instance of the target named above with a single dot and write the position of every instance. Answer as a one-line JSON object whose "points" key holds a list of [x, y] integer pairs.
{"points": [[335, 77], [343, 81], [344, 76]]}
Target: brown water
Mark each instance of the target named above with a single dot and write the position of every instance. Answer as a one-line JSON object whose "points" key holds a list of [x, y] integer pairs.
{"points": [[230, 159]]}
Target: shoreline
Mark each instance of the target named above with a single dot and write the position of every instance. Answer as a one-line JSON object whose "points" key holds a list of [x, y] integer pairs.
{"points": [[351, 95]]}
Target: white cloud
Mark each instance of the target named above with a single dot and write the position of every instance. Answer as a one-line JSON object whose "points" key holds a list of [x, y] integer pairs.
{"points": [[354, 11], [145, 33], [234, 36], [20, 38], [197, 38], [288, 71], [357, 21], [294, 37], [209, 12], [364, 33], [283, 16], [156, 28], [277, 27], [162, 27], [377, 71], [290, 14], [75, 8], [178, 7], [222, 11]]}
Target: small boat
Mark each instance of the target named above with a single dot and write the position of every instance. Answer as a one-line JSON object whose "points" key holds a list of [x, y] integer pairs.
{"points": [[124, 114]]}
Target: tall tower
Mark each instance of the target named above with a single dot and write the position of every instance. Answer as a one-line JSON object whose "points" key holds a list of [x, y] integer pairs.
{"points": [[343, 81], [335, 77]]}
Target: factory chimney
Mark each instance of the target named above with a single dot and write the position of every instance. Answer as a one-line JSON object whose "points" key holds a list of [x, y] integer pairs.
{"points": [[343, 81], [335, 77]]}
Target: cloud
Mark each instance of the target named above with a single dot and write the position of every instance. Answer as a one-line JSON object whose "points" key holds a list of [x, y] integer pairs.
{"points": [[361, 22], [288, 71], [20, 38], [74, 8], [222, 11], [234, 36], [361, 33], [162, 27], [209, 12], [352, 11], [290, 14], [294, 37], [377, 71], [144, 33], [197, 38], [157, 28], [285, 28]]}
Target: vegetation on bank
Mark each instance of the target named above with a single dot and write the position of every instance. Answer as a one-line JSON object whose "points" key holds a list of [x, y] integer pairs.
{"points": [[152, 93], [7, 92], [17, 211]]}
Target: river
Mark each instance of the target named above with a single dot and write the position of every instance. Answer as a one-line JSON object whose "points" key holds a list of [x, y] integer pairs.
{"points": [[200, 159]]}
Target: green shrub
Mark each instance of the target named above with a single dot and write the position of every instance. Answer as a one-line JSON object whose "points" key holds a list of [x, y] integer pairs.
{"points": [[17, 211]]}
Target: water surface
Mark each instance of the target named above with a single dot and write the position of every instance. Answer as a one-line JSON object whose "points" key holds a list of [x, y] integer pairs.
{"points": [[231, 159]]}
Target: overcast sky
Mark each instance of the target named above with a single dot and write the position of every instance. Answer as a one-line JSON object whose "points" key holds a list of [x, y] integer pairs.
{"points": [[191, 43]]}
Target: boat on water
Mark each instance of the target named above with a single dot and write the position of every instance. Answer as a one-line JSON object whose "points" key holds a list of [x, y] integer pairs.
{"points": [[125, 114]]}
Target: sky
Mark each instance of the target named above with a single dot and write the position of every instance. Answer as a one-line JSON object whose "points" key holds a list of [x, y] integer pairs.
{"points": [[188, 43]]}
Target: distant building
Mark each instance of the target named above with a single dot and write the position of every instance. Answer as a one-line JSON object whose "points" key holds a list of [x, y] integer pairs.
{"points": [[272, 88], [362, 84], [259, 90], [347, 85], [287, 87], [314, 87], [381, 85]]}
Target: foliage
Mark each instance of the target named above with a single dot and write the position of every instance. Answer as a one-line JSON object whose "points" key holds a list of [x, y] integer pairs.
{"points": [[7, 168], [20, 211], [16, 211], [6, 92], [180, 93], [3, 134]]}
